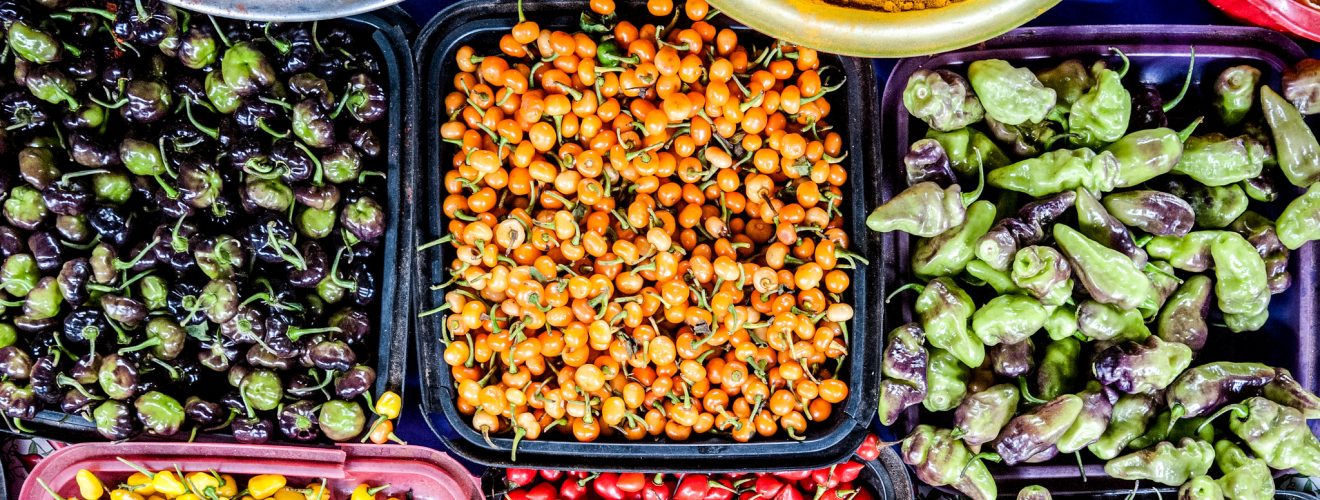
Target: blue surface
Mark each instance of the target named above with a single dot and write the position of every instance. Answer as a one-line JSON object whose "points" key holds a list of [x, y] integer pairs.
{"points": [[413, 427]]}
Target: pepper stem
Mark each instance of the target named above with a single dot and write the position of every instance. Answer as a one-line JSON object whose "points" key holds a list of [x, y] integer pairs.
{"points": [[221, 33], [910, 286], [1237, 409], [1187, 132], [1026, 392], [1126, 63], [1187, 82], [969, 198]]}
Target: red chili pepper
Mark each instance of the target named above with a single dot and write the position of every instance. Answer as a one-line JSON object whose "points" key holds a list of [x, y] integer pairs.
{"points": [[517, 494], [862, 494], [768, 485], [607, 486], [847, 472], [793, 475], [577, 474], [692, 487], [572, 489], [788, 493], [720, 489], [1282, 15], [551, 475], [656, 489], [519, 477], [631, 482], [843, 492], [870, 448], [543, 491], [634, 495], [824, 478]]}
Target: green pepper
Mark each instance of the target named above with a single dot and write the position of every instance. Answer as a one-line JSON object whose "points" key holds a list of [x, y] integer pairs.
{"points": [[1205, 388], [341, 420], [1001, 281], [155, 292], [52, 85], [1091, 422], [1165, 463], [43, 301], [24, 208], [970, 151], [1200, 488], [1298, 224], [610, 55], [924, 210], [1101, 321], [1190, 252], [946, 381], [1261, 233], [1145, 367], [1241, 285], [1146, 154], [1128, 421], [1165, 281], [1219, 160], [1108, 275], [1008, 319], [981, 416], [1235, 91], [1059, 373], [1038, 429], [1062, 322], [114, 420], [270, 194], [8, 335], [1284, 389], [1154, 212], [1010, 95], [160, 414], [942, 99], [141, 157], [261, 390], [1027, 139], [1246, 322], [948, 253], [1102, 114], [1165, 429], [112, 187], [1044, 273], [33, 45], [1182, 319], [245, 69], [1057, 171], [938, 458], [316, 223], [1096, 223], [165, 338], [1295, 147], [903, 369], [1070, 81], [1276, 434], [1245, 478], [222, 96], [19, 274], [944, 310]]}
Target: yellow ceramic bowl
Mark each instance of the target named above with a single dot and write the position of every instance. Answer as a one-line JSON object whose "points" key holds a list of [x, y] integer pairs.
{"points": [[873, 33]]}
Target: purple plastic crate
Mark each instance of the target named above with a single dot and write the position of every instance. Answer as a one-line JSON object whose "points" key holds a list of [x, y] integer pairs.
{"points": [[1159, 55]]}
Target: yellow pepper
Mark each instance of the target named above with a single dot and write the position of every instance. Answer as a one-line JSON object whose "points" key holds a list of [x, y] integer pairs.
{"points": [[155, 497], [263, 486], [317, 491], [228, 486], [389, 405], [141, 484], [89, 486], [188, 496], [202, 483], [123, 494], [364, 491], [168, 484], [287, 493]]}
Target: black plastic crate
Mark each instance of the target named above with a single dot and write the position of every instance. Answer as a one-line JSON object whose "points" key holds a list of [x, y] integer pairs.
{"points": [[390, 29], [1159, 55], [480, 24]]}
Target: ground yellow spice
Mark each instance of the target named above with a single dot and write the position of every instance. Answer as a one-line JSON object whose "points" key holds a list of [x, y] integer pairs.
{"points": [[895, 5]]}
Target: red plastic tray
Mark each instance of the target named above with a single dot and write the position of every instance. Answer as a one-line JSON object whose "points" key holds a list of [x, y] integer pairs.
{"points": [[426, 473]]}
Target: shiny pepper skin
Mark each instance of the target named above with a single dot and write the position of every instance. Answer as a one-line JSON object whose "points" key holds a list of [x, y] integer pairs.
{"points": [[937, 458], [1235, 93], [1154, 212], [1166, 463], [946, 381], [1095, 222], [1219, 160], [1277, 434], [1182, 319], [1260, 232], [1108, 275], [1010, 95], [1241, 285], [945, 309], [970, 151], [1300, 220], [1044, 273], [1057, 171], [1147, 367], [1191, 252], [999, 246], [981, 416], [1205, 388], [1058, 372], [1097, 407], [1295, 146], [924, 210], [1200, 488], [1287, 391], [1101, 115], [1301, 86], [904, 372], [1008, 319], [1128, 421], [943, 99], [1038, 429], [948, 253], [1245, 478]]}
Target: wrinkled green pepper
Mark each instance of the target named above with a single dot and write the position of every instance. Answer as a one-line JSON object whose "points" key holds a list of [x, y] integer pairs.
{"points": [[1200, 488], [1010, 95], [924, 210], [1285, 390], [1070, 80], [1296, 148], [1163, 278], [1062, 322], [1097, 406], [1132, 412], [970, 151], [1146, 154], [1102, 114], [1260, 232], [1190, 252], [946, 381], [1165, 429], [1276, 434], [1300, 220], [1205, 388], [938, 458], [982, 415], [1144, 368], [1165, 463], [1241, 285], [1038, 429], [1099, 321], [942, 99], [1057, 171], [1235, 92], [1059, 372], [1044, 273], [1155, 212], [948, 253], [1001, 281], [1108, 275], [1245, 478], [1097, 224], [904, 370], [945, 310], [1219, 160], [1182, 319], [1008, 319]]}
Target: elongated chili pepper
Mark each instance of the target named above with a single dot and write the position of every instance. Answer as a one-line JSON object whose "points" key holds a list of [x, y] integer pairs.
{"points": [[1147, 367], [1038, 429], [1206, 388], [1108, 275], [1000, 244], [982, 415], [948, 253], [1096, 223], [1166, 463], [1182, 319], [1295, 146]]}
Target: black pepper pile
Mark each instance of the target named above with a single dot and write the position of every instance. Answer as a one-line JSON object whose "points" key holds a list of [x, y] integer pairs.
{"points": [[192, 220]]}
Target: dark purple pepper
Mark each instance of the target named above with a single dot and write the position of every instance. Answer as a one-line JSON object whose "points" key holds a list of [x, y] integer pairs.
{"points": [[299, 422], [354, 382], [46, 250]]}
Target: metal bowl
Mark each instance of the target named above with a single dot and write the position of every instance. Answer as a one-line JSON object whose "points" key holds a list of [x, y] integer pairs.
{"points": [[282, 10], [862, 32]]}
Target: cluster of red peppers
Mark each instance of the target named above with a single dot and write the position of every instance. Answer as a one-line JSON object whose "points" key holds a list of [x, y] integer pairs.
{"points": [[836, 482]]}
